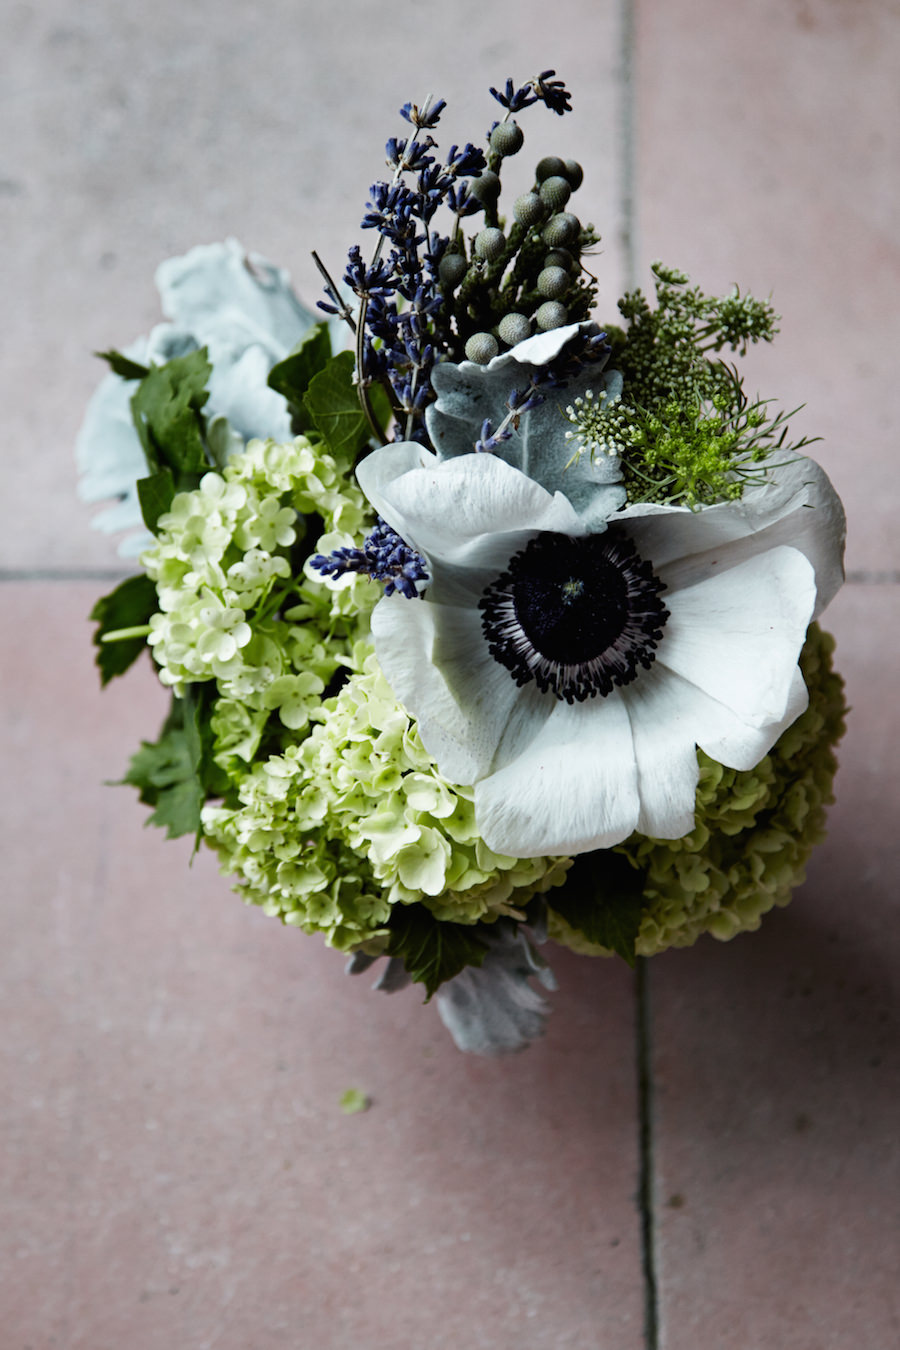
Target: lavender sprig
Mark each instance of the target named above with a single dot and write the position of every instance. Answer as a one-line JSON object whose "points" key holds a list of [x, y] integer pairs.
{"points": [[384, 557]]}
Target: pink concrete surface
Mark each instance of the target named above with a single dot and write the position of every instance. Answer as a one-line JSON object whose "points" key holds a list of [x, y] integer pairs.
{"points": [[776, 1073], [766, 156], [132, 139], [176, 1168]]}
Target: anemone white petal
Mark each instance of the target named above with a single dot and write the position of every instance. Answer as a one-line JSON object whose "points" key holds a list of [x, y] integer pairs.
{"points": [[464, 510], [737, 634], [461, 702], [530, 711], [737, 744], [669, 719], [378, 470], [573, 789], [797, 507], [664, 724]]}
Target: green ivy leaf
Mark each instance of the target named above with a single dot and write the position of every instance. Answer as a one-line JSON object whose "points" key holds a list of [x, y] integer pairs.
{"points": [[176, 773], [130, 605], [603, 898], [432, 951], [165, 772], [332, 403], [291, 377], [123, 365], [155, 495], [167, 414]]}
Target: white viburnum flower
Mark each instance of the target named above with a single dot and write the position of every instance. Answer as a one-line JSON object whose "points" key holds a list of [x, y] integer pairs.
{"points": [[569, 672]]}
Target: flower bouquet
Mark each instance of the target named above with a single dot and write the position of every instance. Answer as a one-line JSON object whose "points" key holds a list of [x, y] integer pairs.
{"points": [[484, 623]]}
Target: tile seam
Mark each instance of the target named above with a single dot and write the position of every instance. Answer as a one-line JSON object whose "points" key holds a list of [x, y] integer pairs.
{"points": [[627, 168], [643, 1055], [14, 574], [644, 1069], [856, 577]]}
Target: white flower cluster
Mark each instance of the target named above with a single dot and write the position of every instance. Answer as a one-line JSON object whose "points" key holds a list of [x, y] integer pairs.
{"points": [[230, 607], [603, 426]]}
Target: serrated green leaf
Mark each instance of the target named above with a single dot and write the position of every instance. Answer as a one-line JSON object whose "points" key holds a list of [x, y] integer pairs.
{"points": [[166, 409], [431, 951], [167, 772], [123, 365], [130, 605], [603, 898], [291, 377], [332, 402], [155, 495], [176, 773]]}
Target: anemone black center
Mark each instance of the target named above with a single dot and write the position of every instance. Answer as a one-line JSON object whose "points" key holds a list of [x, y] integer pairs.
{"points": [[577, 615]]}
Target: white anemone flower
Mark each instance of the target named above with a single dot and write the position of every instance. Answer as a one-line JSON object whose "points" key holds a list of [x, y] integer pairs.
{"points": [[570, 672]]}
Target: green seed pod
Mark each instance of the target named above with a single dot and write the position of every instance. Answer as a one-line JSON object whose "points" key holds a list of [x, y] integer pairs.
{"points": [[507, 138], [551, 166], [560, 257], [514, 328], [489, 244], [452, 269], [555, 192], [574, 173], [551, 315], [481, 348], [529, 209], [561, 229], [553, 282], [486, 187]]}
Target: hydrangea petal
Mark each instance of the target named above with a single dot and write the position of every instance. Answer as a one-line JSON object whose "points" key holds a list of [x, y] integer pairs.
{"points": [[574, 788]]}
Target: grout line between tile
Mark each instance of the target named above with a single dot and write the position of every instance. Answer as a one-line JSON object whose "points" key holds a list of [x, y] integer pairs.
{"points": [[644, 1068], [627, 117], [643, 1056], [865, 577], [108, 574]]}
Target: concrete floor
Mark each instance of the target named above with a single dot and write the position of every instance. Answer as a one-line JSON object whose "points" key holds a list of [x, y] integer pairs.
{"points": [[707, 1161]]}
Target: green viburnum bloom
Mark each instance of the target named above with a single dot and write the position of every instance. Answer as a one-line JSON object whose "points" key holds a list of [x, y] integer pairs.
{"points": [[232, 610], [340, 827]]}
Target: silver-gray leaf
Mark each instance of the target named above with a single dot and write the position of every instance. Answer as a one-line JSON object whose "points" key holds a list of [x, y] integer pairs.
{"points": [[494, 1009]]}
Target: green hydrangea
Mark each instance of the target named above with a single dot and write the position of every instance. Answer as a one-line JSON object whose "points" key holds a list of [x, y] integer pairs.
{"points": [[754, 831], [338, 828], [238, 604]]}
